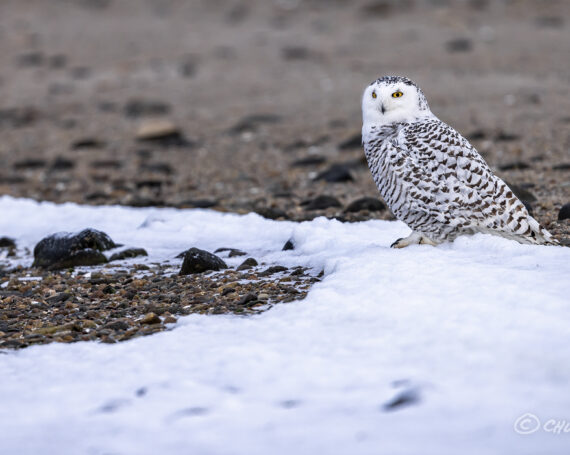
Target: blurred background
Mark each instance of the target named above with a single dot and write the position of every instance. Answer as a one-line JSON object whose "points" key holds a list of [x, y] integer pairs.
{"points": [[255, 105]]}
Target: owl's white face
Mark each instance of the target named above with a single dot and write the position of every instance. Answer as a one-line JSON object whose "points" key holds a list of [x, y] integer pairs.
{"points": [[393, 99]]}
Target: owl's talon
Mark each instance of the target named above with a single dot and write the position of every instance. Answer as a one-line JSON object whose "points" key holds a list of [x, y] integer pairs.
{"points": [[395, 244], [413, 239]]}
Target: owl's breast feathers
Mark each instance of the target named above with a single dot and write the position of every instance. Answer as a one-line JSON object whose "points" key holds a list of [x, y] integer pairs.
{"points": [[436, 182]]}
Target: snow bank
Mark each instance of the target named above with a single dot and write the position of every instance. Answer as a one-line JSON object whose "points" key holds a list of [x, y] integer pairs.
{"points": [[475, 333]]}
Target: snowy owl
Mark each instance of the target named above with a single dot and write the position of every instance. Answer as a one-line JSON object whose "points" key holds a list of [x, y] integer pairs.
{"points": [[431, 177]]}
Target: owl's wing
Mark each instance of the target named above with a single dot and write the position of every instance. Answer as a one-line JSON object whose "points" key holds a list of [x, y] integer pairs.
{"points": [[449, 180]]}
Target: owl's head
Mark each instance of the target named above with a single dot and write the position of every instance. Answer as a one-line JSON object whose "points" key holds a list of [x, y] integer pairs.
{"points": [[393, 99]]}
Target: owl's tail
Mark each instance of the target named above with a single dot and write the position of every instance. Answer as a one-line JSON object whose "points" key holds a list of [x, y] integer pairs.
{"points": [[537, 235]]}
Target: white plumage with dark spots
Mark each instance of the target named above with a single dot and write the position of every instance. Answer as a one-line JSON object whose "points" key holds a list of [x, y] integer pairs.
{"points": [[431, 177]]}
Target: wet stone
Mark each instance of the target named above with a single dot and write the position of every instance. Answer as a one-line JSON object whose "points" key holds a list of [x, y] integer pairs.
{"points": [[336, 173], [289, 245], [321, 202], [366, 203], [128, 253], [272, 270], [64, 250], [199, 261], [232, 252], [7, 242], [248, 264], [459, 45]]}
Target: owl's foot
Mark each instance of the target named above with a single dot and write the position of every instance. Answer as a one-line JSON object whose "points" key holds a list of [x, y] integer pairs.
{"points": [[414, 238]]}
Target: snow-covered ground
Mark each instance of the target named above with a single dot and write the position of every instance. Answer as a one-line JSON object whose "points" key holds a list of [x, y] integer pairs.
{"points": [[476, 333]]}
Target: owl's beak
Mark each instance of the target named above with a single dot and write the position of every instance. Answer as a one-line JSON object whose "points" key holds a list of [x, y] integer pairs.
{"points": [[382, 108]]}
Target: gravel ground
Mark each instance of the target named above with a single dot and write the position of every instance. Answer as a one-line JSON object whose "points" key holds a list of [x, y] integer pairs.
{"points": [[252, 106]]}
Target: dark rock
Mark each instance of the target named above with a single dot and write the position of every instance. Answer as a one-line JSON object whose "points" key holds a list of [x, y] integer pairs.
{"points": [[506, 137], [137, 108], [248, 264], [199, 261], [378, 8], [309, 161], [252, 122], [289, 245], [62, 164], [522, 193], [459, 45], [30, 59], [6, 242], [514, 165], [30, 163], [87, 143], [159, 168], [271, 213], [321, 202], [106, 164], [296, 53], [561, 167], [403, 399], [199, 203], [528, 206], [335, 173], [273, 269], [149, 183], [227, 291], [564, 213], [233, 252], [366, 203], [477, 135], [128, 253], [64, 250], [353, 142]]}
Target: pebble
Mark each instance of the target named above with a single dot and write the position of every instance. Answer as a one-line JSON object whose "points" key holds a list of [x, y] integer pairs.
{"points": [[272, 213], [137, 108], [514, 166], [272, 270], [336, 173], [232, 252], [366, 203], [150, 318], [309, 161], [321, 202], [128, 253], [459, 45], [248, 264], [162, 132], [289, 245], [251, 123]]}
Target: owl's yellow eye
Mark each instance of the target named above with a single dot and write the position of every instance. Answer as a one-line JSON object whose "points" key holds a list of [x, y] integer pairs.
{"points": [[397, 94], [374, 95]]}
